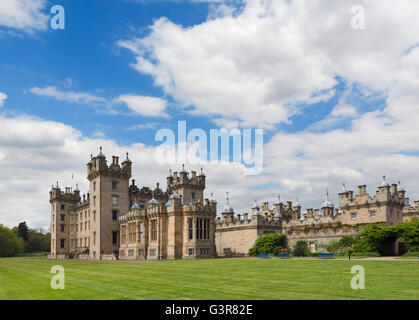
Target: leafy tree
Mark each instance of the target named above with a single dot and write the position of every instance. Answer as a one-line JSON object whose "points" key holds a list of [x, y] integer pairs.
{"points": [[376, 238], [301, 249], [23, 231], [270, 243], [409, 231], [333, 246], [9, 243], [346, 241]]}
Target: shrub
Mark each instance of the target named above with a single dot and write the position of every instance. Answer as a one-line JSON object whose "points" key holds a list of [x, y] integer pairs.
{"points": [[333, 246], [301, 249], [270, 243], [346, 241], [411, 254]]}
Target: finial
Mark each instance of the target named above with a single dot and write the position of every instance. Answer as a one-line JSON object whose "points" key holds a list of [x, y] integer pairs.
{"points": [[384, 181], [344, 187], [228, 199], [183, 167], [202, 171], [57, 185]]}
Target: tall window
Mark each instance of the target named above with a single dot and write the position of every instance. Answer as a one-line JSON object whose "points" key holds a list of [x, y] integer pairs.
{"points": [[114, 215], [94, 238], [62, 217], [193, 195], [202, 229], [114, 184], [62, 207], [62, 243], [114, 200], [114, 237], [124, 234], [190, 223], [154, 230], [62, 227], [372, 213], [131, 230], [141, 231]]}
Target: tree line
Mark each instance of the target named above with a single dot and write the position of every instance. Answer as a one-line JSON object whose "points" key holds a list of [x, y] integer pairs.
{"points": [[22, 240]]}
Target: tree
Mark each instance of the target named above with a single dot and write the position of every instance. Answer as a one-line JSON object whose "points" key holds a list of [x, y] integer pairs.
{"points": [[409, 231], [376, 238], [270, 243], [9, 243], [301, 249], [23, 231]]}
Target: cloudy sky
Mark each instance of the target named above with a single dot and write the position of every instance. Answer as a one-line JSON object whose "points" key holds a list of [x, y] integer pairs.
{"points": [[337, 103]]}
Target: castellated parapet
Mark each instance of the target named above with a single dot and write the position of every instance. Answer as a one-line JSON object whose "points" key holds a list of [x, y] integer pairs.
{"points": [[189, 187]]}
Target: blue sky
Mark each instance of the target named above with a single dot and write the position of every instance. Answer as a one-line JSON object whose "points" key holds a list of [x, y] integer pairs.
{"points": [[84, 57], [337, 104]]}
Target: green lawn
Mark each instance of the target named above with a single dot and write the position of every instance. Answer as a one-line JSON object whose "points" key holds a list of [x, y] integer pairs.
{"points": [[29, 278]]}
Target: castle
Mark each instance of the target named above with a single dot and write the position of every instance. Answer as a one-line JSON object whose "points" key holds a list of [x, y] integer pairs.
{"points": [[118, 220]]}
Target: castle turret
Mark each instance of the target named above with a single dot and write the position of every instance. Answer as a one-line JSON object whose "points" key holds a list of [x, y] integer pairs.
{"points": [[190, 189], [228, 211], [327, 206]]}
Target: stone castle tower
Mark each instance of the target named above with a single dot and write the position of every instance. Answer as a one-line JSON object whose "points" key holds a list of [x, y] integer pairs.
{"points": [[116, 219]]}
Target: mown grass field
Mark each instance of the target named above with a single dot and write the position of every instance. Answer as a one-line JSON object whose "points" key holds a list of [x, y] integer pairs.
{"points": [[29, 278]]}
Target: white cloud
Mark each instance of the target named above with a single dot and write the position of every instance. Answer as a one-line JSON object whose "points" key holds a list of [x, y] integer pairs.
{"points": [[69, 96], [275, 53], [25, 15], [3, 97], [149, 125], [145, 106]]}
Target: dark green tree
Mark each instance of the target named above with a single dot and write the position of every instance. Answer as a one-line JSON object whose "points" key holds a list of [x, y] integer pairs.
{"points": [[270, 243], [23, 231]]}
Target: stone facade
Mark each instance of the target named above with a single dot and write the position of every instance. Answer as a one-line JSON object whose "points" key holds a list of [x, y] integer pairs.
{"points": [[118, 220], [236, 234]]}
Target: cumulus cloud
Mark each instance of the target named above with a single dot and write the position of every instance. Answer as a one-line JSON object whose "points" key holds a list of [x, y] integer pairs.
{"points": [[146, 106], [273, 54], [25, 15], [3, 97]]}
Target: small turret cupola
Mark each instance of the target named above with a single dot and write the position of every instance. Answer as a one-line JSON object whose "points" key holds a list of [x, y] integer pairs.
{"points": [[227, 208], [327, 203], [153, 201], [127, 159], [384, 183], [101, 155]]}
